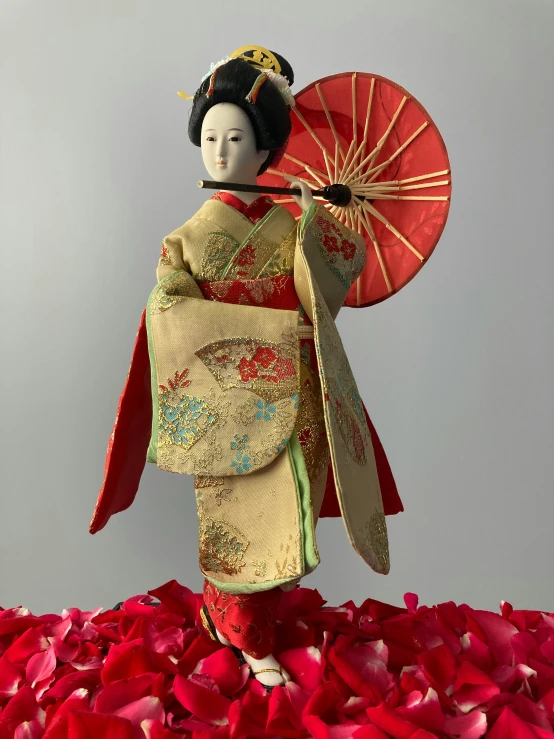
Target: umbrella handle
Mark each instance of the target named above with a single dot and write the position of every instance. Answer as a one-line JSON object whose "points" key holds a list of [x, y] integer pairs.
{"points": [[335, 194]]}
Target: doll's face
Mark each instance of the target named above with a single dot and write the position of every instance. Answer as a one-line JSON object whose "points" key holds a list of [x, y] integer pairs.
{"points": [[228, 145]]}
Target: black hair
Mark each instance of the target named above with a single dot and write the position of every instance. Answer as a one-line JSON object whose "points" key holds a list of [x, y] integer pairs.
{"points": [[269, 114]]}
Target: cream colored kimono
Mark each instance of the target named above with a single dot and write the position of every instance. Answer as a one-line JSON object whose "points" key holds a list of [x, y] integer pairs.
{"points": [[231, 390]]}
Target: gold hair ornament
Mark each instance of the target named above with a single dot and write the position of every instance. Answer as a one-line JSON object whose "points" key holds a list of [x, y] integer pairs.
{"points": [[260, 58]]}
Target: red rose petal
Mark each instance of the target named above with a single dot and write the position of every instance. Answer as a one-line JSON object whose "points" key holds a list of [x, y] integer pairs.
{"points": [[154, 729], [411, 600], [10, 678], [223, 667], [202, 703], [388, 720], [303, 666], [439, 665], [510, 726], [361, 668], [530, 712], [178, 599], [127, 660], [424, 712], [29, 643], [282, 719], [121, 692], [96, 725], [476, 651], [88, 679]]}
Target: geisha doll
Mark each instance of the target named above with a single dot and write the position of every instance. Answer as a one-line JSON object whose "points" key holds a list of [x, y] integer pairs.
{"points": [[239, 376]]}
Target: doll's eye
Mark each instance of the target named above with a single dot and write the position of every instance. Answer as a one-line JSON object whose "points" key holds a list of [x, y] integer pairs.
{"points": [[210, 138], [235, 138]]}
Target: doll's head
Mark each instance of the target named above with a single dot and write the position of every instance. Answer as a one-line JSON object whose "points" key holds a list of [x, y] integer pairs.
{"points": [[242, 94]]}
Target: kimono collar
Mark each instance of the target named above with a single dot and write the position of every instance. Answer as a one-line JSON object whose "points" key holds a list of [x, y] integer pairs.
{"points": [[254, 212]]}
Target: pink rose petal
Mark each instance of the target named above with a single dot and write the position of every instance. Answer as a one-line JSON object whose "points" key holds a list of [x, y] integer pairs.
{"points": [[29, 730], [471, 726], [41, 666], [148, 707]]}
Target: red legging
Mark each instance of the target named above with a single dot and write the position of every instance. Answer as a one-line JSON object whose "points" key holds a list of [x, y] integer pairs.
{"points": [[247, 621]]}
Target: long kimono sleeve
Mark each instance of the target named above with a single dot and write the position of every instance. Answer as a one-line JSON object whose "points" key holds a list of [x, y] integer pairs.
{"points": [[328, 259], [224, 378]]}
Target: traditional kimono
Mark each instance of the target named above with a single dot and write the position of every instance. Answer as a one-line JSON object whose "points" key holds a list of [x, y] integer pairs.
{"points": [[239, 378]]}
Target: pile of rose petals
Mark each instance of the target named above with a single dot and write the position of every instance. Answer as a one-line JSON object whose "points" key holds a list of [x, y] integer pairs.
{"points": [[148, 671]]}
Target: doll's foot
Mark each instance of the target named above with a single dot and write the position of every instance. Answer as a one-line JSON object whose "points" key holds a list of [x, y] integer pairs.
{"points": [[267, 671]]}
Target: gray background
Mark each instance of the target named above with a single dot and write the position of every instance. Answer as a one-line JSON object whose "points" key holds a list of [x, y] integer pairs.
{"points": [[456, 370]]}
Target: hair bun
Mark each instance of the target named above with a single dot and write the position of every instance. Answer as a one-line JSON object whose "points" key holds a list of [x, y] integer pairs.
{"points": [[286, 69]]}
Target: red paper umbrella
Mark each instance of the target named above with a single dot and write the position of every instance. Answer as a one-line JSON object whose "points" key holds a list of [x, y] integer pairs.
{"points": [[366, 132]]}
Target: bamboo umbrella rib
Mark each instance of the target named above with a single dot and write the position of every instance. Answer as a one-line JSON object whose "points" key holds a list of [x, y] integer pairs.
{"points": [[313, 183], [354, 114], [294, 159], [331, 123], [437, 198], [361, 149], [380, 187], [346, 162], [309, 170], [380, 217], [371, 234], [414, 179], [400, 149], [352, 163], [374, 153], [336, 163], [367, 117], [312, 133], [327, 166], [383, 140]]}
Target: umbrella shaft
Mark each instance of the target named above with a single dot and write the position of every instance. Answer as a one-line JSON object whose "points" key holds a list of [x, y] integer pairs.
{"points": [[337, 194]]}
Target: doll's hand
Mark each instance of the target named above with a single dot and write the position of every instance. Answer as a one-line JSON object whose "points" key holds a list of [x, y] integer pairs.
{"points": [[306, 199]]}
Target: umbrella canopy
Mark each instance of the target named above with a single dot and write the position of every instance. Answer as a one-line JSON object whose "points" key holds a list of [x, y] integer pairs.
{"points": [[367, 133]]}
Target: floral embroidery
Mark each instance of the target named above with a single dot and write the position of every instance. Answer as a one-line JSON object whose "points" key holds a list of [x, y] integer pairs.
{"points": [[342, 255], [282, 261], [265, 411], [349, 430], [251, 258], [219, 249], [260, 567], [310, 425], [183, 419], [178, 381], [171, 290], [242, 461], [268, 369], [164, 255], [222, 546], [225, 494], [208, 481], [245, 258]]}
